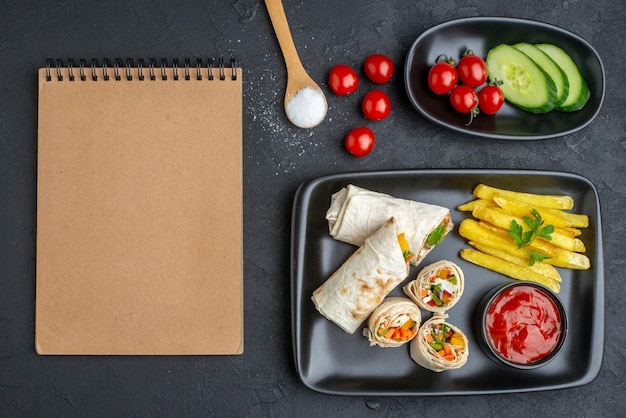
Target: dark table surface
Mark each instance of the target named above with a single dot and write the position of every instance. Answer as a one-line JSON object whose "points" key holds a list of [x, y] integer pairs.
{"points": [[277, 158]]}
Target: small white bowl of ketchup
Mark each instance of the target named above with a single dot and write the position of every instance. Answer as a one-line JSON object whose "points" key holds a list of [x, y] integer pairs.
{"points": [[521, 324]]}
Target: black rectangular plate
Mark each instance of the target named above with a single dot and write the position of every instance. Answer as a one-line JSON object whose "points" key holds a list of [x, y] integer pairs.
{"points": [[329, 360]]}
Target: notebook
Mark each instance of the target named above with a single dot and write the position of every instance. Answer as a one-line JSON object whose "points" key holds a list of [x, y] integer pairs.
{"points": [[139, 208]]}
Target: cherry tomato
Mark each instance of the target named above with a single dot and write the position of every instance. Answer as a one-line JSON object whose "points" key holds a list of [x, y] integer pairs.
{"points": [[490, 99], [463, 98], [343, 80], [378, 68], [376, 105], [442, 77], [472, 69], [360, 141]]}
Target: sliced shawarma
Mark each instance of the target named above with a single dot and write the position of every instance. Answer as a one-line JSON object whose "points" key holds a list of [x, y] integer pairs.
{"points": [[439, 345], [356, 213], [394, 323], [352, 292], [437, 287]]}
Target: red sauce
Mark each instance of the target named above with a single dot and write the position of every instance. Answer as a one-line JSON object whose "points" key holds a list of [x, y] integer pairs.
{"points": [[523, 324]]}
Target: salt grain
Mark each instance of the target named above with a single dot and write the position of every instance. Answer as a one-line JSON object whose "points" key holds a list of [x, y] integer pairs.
{"points": [[307, 108]]}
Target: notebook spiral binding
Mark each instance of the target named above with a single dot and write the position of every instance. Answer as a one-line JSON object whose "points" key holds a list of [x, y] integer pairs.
{"points": [[154, 70]]}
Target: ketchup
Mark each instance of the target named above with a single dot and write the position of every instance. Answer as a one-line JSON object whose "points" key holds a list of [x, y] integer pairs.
{"points": [[523, 324]]}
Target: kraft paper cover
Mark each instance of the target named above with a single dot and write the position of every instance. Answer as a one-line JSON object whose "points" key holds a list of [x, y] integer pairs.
{"points": [[139, 216]]}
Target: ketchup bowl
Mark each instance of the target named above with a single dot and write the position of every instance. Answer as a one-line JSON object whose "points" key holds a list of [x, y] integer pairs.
{"points": [[521, 324]]}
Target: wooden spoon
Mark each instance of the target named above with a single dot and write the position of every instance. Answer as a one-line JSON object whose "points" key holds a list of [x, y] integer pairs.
{"points": [[309, 106]]}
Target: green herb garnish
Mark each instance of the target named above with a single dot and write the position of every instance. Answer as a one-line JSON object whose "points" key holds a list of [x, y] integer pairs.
{"points": [[536, 229], [436, 236], [435, 291], [535, 256], [436, 346]]}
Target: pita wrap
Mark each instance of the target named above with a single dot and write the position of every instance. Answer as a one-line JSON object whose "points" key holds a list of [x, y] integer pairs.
{"points": [[393, 323], [427, 354], [437, 287], [353, 291], [355, 213]]}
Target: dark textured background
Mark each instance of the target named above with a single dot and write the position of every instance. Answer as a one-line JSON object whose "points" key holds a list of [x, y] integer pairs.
{"points": [[277, 158]]}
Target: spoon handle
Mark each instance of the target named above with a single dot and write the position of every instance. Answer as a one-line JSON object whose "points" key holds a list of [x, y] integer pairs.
{"points": [[281, 27]]}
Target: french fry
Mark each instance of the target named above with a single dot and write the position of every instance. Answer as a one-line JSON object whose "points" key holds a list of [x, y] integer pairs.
{"points": [[568, 259], [558, 256], [507, 268], [577, 220], [571, 231], [520, 209], [542, 268], [502, 219], [553, 216], [474, 231], [469, 206], [495, 229], [483, 191]]}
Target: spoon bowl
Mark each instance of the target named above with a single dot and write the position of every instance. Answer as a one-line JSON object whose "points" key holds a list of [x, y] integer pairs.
{"points": [[305, 103]]}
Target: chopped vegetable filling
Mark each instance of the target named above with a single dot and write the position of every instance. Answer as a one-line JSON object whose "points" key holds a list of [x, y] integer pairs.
{"points": [[441, 289], [404, 332], [443, 341], [404, 245]]}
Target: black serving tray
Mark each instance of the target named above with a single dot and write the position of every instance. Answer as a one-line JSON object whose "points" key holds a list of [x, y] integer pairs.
{"points": [[480, 34], [329, 360]]}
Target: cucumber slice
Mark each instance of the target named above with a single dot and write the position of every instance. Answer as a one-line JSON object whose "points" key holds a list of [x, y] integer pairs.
{"points": [[524, 83], [549, 66], [578, 90]]}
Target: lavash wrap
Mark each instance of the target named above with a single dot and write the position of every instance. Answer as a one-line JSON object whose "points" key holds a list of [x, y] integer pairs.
{"points": [[355, 213], [393, 312], [363, 281], [426, 356], [422, 280]]}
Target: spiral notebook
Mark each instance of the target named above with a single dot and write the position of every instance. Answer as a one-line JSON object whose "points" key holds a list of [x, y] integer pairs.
{"points": [[139, 208]]}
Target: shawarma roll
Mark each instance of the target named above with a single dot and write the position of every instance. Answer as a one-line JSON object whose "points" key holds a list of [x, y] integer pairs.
{"points": [[355, 213], [352, 292], [439, 346], [437, 287], [393, 323]]}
